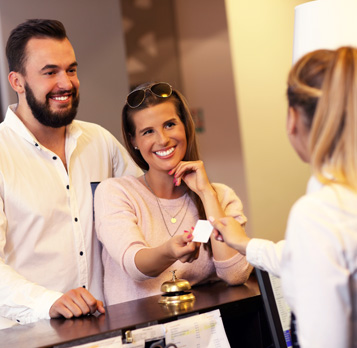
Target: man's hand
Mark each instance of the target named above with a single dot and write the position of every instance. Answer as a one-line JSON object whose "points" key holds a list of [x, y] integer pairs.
{"points": [[75, 303]]}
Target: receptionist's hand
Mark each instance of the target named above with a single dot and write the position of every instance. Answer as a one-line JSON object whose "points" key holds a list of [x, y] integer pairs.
{"points": [[75, 303], [230, 231]]}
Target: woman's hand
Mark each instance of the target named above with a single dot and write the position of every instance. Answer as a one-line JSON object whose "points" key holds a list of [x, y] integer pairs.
{"points": [[193, 173], [230, 231], [183, 249], [153, 261]]}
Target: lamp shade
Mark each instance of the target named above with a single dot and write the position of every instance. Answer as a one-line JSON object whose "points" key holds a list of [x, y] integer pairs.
{"points": [[325, 24]]}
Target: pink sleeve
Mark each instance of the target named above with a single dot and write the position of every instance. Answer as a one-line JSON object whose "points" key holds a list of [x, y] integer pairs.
{"points": [[237, 269], [117, 228]]}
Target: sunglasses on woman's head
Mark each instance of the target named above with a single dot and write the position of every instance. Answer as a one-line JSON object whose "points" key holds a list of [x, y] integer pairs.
{"points": [[160, 89]]}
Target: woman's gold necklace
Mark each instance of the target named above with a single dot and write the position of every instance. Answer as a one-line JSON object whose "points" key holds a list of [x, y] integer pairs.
{"points": [[172, 218]]}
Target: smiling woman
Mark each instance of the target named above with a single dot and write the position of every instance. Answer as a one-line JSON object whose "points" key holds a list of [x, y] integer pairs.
{"points": [[145, 223], [160, 137]]}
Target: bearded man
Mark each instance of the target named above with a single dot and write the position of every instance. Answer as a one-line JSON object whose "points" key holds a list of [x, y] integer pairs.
{"points": [[50, 264]]}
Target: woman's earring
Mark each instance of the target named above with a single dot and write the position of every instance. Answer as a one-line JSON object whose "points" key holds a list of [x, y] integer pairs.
{"points": [[136, 148]]}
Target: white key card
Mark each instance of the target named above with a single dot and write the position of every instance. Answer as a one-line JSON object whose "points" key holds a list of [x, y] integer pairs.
{"points": [[202, 231]]}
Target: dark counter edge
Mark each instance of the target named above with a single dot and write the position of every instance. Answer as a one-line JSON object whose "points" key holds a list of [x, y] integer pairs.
{"points": [[240, 301]]}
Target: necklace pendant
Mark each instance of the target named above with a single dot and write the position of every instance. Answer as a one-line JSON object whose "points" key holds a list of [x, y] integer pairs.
{"points": [[173, 220]]}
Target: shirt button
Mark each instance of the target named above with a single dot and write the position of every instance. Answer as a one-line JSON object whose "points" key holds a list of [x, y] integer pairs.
{"points": [[81, 253], [54, 157], [75, 219], [83, 286], [36, 144], [67, 187]]}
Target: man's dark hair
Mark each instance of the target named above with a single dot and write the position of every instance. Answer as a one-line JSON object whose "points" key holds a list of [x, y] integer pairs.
{"points": [[19, 37]]}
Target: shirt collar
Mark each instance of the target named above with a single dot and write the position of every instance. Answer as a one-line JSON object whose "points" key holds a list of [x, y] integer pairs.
{"points": [[13, 122], [73, 131], [313, 185]]}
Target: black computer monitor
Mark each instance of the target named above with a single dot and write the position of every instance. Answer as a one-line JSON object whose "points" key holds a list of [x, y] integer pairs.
{"points": [[277, 311]]}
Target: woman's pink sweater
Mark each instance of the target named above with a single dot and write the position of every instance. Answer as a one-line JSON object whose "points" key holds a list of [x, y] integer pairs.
{"points": [[128, 218]]}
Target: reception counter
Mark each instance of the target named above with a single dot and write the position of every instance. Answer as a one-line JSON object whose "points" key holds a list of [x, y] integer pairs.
{"points": [[241, 309]]}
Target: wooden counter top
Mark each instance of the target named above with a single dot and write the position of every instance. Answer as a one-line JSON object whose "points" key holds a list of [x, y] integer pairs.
{"points": [[243, 300]]}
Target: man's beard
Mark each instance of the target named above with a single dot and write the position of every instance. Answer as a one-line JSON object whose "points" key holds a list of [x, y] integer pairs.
{"points": [[43, 113]]}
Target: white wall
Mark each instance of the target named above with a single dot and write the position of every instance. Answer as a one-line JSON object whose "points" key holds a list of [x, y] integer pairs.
{"points": [[94, 28], [324, 24]]}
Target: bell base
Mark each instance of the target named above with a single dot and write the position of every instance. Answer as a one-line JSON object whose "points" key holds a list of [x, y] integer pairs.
{"points": [[168, 299]]}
